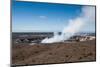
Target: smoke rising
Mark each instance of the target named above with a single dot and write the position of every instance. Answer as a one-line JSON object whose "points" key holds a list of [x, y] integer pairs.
{"points": [[87, 16]]}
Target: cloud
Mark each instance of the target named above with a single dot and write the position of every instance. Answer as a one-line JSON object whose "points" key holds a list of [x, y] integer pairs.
{"points": [[42, 17]]}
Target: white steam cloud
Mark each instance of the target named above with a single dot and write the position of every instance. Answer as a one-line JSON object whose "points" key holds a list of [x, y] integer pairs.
{"points": [[87, 16]]}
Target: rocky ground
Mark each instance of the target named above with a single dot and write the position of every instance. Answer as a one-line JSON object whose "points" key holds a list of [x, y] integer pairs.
{"points": [[25, 54]]}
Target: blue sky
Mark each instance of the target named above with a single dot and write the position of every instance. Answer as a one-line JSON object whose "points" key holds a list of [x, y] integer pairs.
{"points": [[43, 17]]}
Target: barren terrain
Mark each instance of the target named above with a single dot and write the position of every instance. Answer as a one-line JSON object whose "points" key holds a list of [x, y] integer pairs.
{"points": [[25, 54]]}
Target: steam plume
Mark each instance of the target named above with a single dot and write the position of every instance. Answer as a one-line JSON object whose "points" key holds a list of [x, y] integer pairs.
{"points": [[87, 16]]}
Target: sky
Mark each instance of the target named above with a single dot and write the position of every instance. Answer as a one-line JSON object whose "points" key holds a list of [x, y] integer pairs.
{"points": [[44, 17]]}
